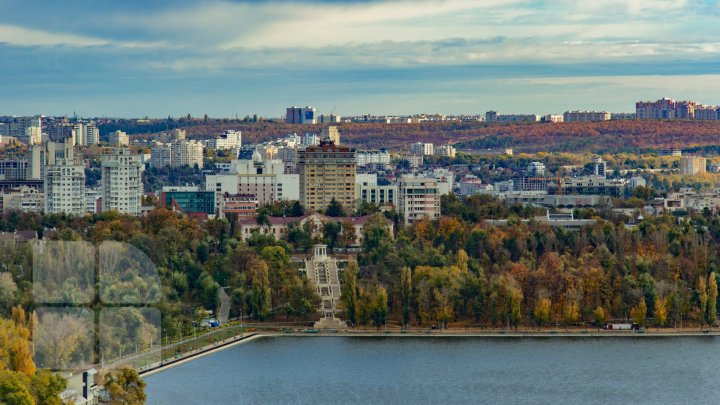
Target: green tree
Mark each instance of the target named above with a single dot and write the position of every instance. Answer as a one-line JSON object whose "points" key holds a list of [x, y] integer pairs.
{"points": [[406, 294], [260, 292], [46, 387], [349, 292], [379, 306], [335, 209], [541, 312], [14, 389]]}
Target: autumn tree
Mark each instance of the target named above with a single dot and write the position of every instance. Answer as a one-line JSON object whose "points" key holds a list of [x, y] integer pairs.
{"points": [[639, 312], [349, 292], [702, 302], [600, 317], [541, 312], [660, 312], [125, 387], [406, 295], [712, 299]]}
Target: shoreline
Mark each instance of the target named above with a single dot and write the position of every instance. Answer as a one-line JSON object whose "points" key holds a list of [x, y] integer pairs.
{"points": [[208, 350]]}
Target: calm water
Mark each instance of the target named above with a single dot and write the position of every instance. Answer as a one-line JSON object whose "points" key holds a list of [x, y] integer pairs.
{"points": [[448, 370]]}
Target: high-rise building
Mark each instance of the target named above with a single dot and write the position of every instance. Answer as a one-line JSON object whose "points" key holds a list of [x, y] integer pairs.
{"points": [[63, 132], [161, 155], [13, 169], [17, 127], [421, 148], [187, 153], [228, 140], [446, 150], [327, 172], [119, 139], [418, 198], [64, 178], [300, 115], [665, 108], [121, 182], [690, 165], [331, 134], [600, 167]]}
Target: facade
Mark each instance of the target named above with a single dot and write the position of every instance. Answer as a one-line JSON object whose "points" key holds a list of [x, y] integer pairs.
{"points": [[446, 150], [189, 201], [265, 179], [418, 198], [366, 157], [493, 116], [121, 182], [588, 185], [300, 115], [24, 199], [65, 187], [536, 169], [420, 148], [13, 169], [330, 134], [228, 140], [18, 128], [599, 167], [665, 108], [327, 172], [188, 153], [279, 226], [161, 155], [690, 165], [119, 139], [234, 206], [586, 116]]}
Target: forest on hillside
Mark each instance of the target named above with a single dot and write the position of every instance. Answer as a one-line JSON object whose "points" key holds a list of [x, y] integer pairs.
{"points": [[597, 137]]}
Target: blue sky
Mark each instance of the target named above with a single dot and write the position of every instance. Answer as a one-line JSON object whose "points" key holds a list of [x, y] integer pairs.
{"points": [[158, 58]]}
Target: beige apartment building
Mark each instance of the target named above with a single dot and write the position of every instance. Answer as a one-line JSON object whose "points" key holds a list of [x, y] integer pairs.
{"points": [[692, 165], [327, 172]]}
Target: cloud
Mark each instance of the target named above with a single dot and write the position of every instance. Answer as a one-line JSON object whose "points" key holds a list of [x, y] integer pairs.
{"points": [[17, 35]]}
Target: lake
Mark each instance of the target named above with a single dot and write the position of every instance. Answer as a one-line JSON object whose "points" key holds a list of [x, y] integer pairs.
{"points": [[361, 370]]}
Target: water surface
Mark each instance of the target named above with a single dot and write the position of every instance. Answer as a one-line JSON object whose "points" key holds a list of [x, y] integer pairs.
{"points": [[453, 370]]}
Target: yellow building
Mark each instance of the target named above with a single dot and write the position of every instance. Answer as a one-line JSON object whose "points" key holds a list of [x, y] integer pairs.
{"points": [[327, 172]]}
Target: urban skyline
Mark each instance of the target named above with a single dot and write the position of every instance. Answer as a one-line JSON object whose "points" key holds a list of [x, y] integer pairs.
{"points": [[456, 56]]}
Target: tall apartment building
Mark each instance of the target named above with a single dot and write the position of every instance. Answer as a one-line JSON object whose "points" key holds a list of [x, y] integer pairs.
{"points": [[327, 172], [121, 182], [186, 152], [13, 169], [418, 198], [600, 167], [421, 148], [665, 108], [24, 129], [62, 132], [707, 112], [265, 179], [446, 150], [330, 134], [366, 157], [64, 177], [586, 116], [300, 115], [119, 139], [161, 155], [228, 140], [692, 165], [86, 134]]}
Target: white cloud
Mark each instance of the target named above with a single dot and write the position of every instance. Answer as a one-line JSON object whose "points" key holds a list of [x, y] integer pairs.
{"points": [[16, 35]]}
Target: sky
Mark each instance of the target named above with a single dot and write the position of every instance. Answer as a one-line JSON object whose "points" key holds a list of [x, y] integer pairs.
{"points": [[160, 58]]}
